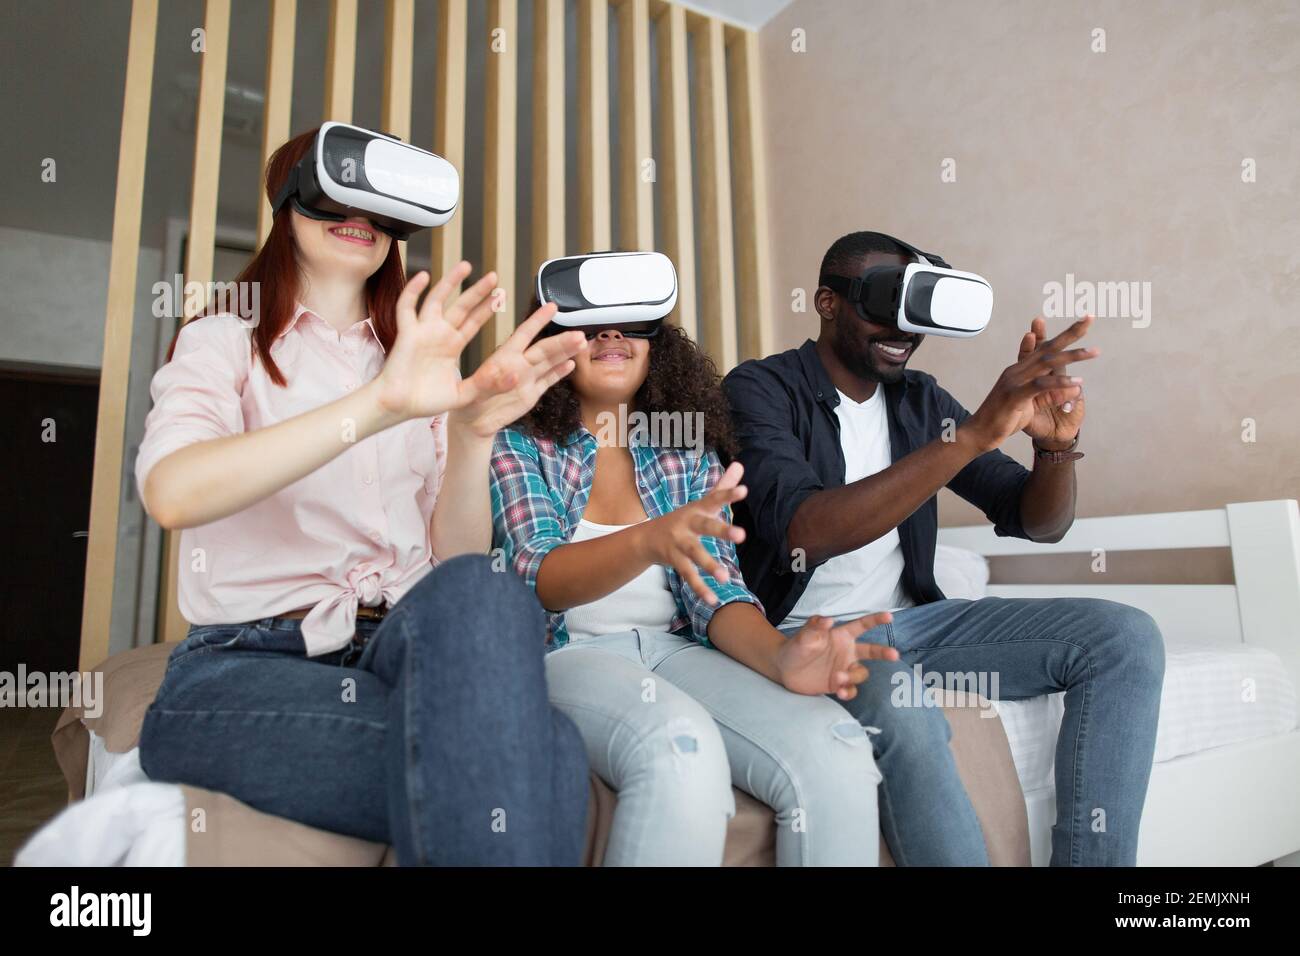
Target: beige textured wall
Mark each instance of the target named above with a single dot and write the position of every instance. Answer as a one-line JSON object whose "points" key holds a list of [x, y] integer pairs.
{"points": [[1117, 166]]}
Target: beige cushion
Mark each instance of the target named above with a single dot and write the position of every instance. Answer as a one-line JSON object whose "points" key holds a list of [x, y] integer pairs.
{"points": [[225, 832], [983, 757], [131, 679], [229, 833]]}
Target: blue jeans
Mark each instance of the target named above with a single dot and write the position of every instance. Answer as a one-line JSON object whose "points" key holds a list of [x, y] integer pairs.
{"points": [[431, 731], [673, 725], [1109, 660]]}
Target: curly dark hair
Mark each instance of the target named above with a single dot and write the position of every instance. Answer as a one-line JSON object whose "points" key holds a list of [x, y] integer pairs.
{"points": [[681, 378]]}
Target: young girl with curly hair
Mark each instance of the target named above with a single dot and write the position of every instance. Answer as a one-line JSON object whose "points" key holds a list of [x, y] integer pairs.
{"points": [[678, 684]]}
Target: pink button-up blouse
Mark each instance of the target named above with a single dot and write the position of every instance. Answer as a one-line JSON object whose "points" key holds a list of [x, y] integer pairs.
{"points": [[354, 531]]}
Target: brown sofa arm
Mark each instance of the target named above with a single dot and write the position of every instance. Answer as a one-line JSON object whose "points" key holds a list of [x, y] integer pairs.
{"points": [[983, 756]]}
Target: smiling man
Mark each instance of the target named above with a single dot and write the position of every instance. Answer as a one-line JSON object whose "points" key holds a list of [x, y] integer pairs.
{"points": [[844, 449]]}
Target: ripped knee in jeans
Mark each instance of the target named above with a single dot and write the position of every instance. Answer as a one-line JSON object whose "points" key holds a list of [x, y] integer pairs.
{"points": [[683, 736], [851, 732]]}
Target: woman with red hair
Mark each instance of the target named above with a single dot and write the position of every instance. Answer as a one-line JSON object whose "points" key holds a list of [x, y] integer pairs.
{"points": [[327, 468]]}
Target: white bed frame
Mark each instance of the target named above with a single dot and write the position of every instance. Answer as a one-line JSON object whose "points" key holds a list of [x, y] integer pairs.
{"points": [[1237, 805]]}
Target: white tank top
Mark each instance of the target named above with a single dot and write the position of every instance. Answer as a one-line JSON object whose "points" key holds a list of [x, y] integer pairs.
{"points": [[646, 601]]}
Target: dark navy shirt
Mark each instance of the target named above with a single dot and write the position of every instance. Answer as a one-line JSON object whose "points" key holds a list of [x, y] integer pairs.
{"points": [[784, 409]]}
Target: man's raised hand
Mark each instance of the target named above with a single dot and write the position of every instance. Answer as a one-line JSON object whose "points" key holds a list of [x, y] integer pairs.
{"points": [[1058, 413], [1026, 393]]}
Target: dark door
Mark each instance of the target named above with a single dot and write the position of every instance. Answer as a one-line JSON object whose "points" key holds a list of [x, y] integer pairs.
{"points": [[44, 515]]}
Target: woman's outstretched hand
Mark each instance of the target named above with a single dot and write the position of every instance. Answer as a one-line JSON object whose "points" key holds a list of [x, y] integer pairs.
{"points": [[514, 377], [824, 658], [421, 376]]}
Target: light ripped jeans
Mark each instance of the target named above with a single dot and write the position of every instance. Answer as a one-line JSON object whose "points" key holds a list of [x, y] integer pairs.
{"points": [[670, 725]]}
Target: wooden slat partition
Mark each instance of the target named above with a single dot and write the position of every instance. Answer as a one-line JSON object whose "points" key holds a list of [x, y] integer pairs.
{"points": [[749, 179], [719, 160], [279, 96], [202, 236], [595, 228], [449, 126], [676, 196], [399, 52], [636, 227], [499, 162], [713, 163], [106, 486], [200, 242], [548, 133], [341, 61]]}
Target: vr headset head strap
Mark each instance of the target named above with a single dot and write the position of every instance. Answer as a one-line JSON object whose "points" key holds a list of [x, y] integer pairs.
{"points": [[929, 258], [852, 287], [289, 193], [289, 188], [849, 288]]}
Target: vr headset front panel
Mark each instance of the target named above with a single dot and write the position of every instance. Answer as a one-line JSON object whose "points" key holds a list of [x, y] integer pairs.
{"points": [[608, 288], [944, 302]]}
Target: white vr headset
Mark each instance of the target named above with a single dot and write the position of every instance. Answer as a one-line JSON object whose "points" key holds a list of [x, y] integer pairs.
{"points": [[350, 171], [926, 297], [628, 291]]}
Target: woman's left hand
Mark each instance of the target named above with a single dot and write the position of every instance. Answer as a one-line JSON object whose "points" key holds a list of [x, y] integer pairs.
{"points": [[514, 377], [825, 658]]}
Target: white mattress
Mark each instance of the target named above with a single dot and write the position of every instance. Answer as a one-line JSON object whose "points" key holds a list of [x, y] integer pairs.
{"points": [[1205, 705]]}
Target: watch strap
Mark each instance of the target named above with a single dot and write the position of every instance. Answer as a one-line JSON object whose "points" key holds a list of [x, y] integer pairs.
{"points": [[1058, 457]]}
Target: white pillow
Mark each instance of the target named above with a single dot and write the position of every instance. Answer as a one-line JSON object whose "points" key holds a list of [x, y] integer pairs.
{"points": [[961, 573]]}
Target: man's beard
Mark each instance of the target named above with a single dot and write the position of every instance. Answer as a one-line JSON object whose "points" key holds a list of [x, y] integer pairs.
{"points": [[864, 363]]}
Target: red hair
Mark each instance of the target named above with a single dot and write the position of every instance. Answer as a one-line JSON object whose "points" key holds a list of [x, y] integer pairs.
{"points": [[274, 268]]}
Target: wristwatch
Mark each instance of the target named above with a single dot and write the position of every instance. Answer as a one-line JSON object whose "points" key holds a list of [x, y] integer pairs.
{"points": [[1058, 457]]}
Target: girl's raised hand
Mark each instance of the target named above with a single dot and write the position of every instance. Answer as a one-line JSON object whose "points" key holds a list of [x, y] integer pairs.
{"points": [[825, 658], [675, 540]]}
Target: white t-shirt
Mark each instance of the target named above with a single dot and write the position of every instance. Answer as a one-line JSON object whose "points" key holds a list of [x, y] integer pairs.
{"points": [[868, 579], [646, 601]]}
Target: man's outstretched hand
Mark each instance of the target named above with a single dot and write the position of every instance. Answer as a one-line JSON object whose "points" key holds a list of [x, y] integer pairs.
{"points": [[1036, 394], [1055, 422]]}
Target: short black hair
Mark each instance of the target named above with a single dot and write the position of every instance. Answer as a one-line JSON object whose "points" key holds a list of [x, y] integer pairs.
{"points": [[846, 252]]}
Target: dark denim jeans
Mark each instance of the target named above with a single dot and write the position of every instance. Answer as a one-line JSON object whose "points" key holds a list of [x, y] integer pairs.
{"points": [[431, 731]]}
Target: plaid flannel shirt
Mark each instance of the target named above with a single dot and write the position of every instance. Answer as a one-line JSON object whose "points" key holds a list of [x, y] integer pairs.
{"points": [[539, 493]]}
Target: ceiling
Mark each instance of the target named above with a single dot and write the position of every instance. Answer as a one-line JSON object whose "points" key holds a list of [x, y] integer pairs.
{"points": [[745, 13]]}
